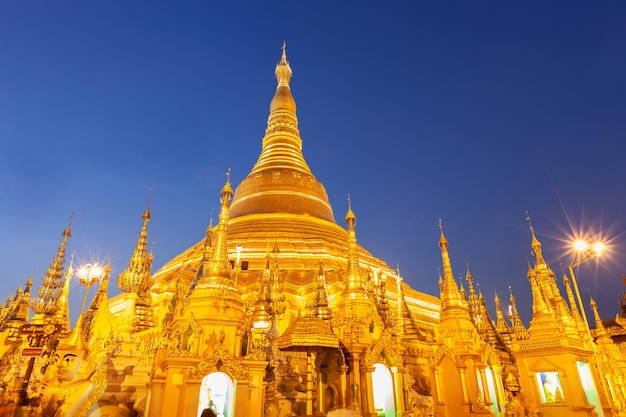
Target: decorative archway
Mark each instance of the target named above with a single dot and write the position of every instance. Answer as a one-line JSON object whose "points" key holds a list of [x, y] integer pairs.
{"points": [[382, 384], [217, 391]]}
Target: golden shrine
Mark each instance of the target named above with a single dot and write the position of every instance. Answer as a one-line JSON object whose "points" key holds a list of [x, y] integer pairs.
{"points": [[280, 312]]}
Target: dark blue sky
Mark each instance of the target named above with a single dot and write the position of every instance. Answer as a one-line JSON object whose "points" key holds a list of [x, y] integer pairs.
{"points": [[472, 112]]}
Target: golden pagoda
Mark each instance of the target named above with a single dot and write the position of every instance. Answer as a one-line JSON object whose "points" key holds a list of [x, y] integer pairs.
{"points": [[279, 312]]}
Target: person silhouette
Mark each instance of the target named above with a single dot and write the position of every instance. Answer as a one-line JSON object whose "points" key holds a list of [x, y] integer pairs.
{"points": [[208, 412]]}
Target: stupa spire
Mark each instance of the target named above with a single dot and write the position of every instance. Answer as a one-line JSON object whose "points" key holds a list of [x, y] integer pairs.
{"points": [[354, 281], [321, 306], [578, 319], [99, 304], [450, 295], [207, 251], [281, 181], [19, 311], [536, 245], [519, 330], [219, 265], [601, 331], [51, 285], [62, 314], [502, 327], [474, 305], [103, 288], [543, 321], [260, 313], [136, 277]]}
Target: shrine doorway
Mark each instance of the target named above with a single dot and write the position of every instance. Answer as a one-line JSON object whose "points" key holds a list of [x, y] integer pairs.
{"points": [[217, 392], [382, 384]]}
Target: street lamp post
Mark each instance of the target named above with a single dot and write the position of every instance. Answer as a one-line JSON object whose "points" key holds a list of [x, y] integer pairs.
{"points": [[583, 254], [88, 275]]}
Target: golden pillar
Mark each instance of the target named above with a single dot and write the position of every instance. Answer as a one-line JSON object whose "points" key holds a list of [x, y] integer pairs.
{"points": [[355, 389], [486, 397], [398, 389], [320, 389], [463, 375], [497, 380], [438, 391], [155, 397], [309, 383], [368, 406], [343, 400]]}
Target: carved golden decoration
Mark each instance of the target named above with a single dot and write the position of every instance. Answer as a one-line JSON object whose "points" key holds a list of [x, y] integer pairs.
{"points": [[209, 364]]}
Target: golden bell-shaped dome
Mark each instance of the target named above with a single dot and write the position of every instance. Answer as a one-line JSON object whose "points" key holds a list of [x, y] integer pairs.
{"points": [[281, 181]]}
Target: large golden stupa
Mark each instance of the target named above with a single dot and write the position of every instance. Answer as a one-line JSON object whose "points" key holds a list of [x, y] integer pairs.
{"points": [[281, 204], [278, 312]]}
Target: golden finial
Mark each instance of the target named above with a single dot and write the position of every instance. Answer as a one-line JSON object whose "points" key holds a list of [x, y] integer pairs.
{"points": [[283, 70], [442, 238], [535, 242], [227, 189], [350, 216], [146, 217], [68, 231]]}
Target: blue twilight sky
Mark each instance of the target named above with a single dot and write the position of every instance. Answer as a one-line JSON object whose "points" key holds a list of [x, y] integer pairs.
{"points": [[472, 112]]}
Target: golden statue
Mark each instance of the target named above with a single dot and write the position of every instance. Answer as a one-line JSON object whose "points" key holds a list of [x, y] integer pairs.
{"points": [[78, 382]]}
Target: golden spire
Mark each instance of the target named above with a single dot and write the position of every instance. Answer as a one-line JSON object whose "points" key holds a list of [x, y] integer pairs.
{"points": [[281, 181], [62, 314], [51, 284], [502, 327], [219, 265], [535, 243], [321, 307], [19, 308], [474, 305], [206, 258], [260, 312], [456, 329], [580, 324], [486, 326], [407, 328], [100, 301], [519, 330], [354, 281], [136, 277], [17, 315], [601, 331], [450, 295], [543, 321], [103, 288], [76, 340]]}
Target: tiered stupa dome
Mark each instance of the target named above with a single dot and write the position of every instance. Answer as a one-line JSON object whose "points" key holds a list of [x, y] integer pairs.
{"points": [[281, 204]]}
